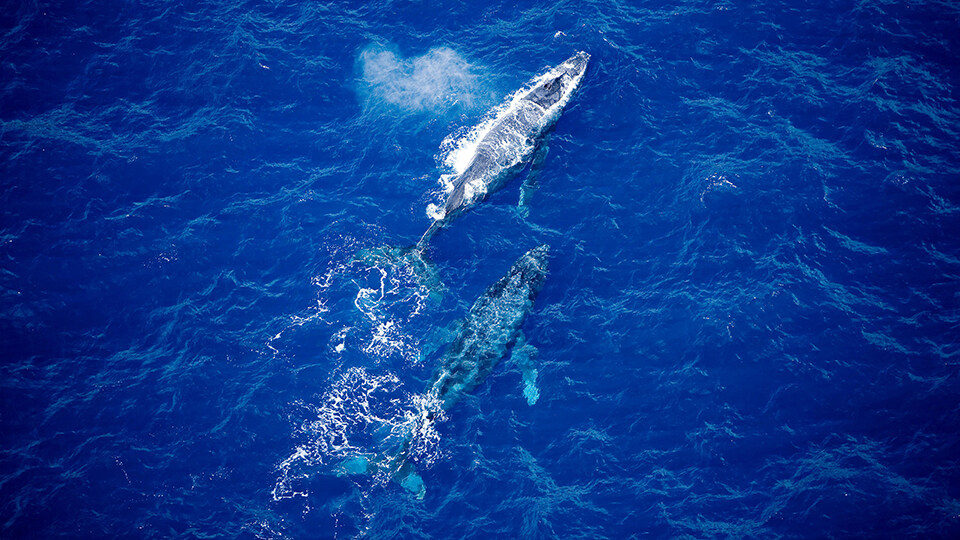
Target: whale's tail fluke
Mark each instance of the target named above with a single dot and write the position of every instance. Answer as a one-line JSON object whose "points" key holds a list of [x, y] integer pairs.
{"points": [[400, 471], [412, 258], [395, 465]]}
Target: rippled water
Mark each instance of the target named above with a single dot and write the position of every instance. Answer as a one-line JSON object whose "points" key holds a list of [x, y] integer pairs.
{"points": [[749, 329]]}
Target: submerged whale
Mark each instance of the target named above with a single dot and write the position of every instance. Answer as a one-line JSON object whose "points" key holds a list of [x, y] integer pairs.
{"points": [[490, 328], [511, 139]]}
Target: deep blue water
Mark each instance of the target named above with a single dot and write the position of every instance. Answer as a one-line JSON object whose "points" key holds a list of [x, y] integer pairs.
{"points": [[751, 326]]}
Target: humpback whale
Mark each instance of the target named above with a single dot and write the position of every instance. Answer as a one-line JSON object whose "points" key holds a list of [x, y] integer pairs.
{"points": [[510, 141], [490, 328]]}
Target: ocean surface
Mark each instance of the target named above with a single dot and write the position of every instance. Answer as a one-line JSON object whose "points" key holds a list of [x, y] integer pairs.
{"points": [[750, 327]]}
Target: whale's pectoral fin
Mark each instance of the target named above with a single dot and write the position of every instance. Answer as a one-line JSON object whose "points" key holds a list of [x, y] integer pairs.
{"points": [[532, 181], [525, 357]]}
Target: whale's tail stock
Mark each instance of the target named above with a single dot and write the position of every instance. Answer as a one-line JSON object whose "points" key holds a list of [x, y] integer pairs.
{"points": [[427, 235]]}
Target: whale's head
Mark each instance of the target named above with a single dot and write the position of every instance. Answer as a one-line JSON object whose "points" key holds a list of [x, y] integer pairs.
{"points": [[531, 269], [560, 82]]}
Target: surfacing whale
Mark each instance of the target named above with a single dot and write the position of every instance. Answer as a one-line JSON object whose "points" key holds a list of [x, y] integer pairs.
{"points": [[504, 148], [490, 329], [511, 139]]}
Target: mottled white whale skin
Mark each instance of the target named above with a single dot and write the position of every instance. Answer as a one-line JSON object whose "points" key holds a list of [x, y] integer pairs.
{"points": [[511, 140], [490, 328]]}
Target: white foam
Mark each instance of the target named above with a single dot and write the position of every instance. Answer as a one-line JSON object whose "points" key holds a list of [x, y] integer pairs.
{"points": [[388, 306], [436, 80], [362, 414], [345, 411]]}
